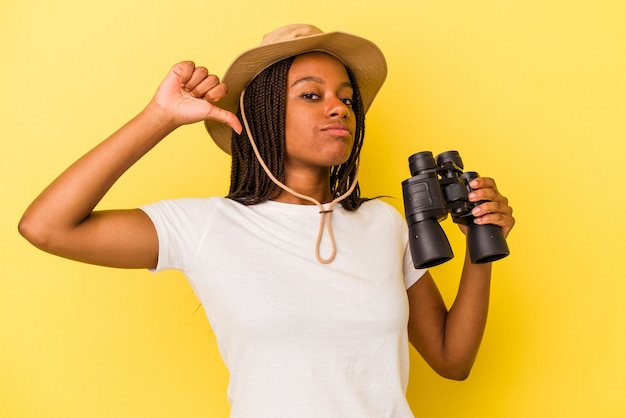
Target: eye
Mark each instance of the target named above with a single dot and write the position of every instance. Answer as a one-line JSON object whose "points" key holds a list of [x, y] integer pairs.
{"points": [[310, 96], [347, 101]]}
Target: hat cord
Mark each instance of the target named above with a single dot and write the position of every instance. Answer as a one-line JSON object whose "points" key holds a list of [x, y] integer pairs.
{"points": [[325, 214]]}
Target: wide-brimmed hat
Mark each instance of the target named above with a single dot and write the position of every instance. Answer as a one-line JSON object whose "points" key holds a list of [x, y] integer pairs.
{"points": [[363, 57]]}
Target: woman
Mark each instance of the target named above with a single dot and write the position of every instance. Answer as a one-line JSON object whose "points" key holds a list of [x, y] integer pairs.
{"points": [[307, 327]]}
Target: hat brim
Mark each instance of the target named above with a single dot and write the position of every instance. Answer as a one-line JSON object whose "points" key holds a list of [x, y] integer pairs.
{"points": [[360, 55]]}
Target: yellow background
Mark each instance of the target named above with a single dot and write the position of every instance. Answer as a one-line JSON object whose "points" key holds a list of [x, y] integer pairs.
{"points": [[530, 92]]}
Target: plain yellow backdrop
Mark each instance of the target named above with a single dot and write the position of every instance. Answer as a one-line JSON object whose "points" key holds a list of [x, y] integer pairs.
{"points": [[532, 93]]}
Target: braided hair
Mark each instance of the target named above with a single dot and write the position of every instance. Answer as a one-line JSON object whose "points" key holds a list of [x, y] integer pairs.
{"points": [[265, 104]]}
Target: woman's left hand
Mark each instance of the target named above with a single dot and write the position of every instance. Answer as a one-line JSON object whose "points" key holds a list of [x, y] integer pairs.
{"points": [[495, 208]]}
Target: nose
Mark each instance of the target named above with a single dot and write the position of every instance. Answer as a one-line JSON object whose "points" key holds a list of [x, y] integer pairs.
{"points": [[338, 109]]}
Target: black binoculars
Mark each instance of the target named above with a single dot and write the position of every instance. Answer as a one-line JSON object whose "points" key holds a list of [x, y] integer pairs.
{"points": [[436, 188]]}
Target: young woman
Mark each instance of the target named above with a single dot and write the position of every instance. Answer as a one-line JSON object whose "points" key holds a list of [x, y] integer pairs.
{"points": [[310, 315]]}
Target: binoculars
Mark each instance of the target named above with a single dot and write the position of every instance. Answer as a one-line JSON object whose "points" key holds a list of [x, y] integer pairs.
{"points": [[438, 187]]}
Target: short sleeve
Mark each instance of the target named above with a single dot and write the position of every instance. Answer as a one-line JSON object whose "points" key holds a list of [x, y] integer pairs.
{"points": [[180, 225], [410, 273]]}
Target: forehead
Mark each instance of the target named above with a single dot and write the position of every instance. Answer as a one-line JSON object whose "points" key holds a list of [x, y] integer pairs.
{"points": [[317, 64]]}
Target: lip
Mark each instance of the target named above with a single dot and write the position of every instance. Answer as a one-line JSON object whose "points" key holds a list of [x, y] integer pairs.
{"points": [[338, 129]]}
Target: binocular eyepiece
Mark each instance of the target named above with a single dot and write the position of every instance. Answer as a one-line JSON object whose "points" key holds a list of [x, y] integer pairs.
{"points": [[438, 187]]}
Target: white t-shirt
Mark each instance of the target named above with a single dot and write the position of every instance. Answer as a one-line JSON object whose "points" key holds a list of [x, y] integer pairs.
{"points": [[301, 339]]}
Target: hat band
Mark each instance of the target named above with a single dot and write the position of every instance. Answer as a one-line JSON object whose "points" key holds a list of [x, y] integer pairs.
{"points": [[325, 213]]}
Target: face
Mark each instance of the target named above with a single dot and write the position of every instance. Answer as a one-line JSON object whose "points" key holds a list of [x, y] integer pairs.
{"points": [[319, 123]]}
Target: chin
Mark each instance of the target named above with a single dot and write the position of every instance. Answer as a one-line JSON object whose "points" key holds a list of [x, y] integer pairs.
{"points": [[339, 161], [341, 156]]}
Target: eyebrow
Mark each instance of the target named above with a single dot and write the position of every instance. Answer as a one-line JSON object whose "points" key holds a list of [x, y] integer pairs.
{"points": [[318, 81]]}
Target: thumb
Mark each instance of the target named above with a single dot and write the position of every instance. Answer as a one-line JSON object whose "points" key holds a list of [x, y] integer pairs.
{"points": [[224, 116]]}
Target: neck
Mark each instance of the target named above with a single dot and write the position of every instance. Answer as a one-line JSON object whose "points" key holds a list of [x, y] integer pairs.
{"points": [[314, 185]]}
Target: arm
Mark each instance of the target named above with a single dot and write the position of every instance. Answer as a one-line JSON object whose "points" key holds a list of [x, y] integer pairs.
{"points": [[62, 221], [449, 339]]}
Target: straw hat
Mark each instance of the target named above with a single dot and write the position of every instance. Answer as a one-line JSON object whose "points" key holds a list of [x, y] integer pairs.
{"points": [[363, 57]]}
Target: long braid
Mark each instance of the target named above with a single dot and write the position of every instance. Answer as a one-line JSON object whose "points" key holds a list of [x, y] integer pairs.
{"points": [[265, 103], [265, 109], [341, 176]]}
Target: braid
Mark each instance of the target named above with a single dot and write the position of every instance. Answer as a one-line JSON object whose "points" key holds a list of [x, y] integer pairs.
{"points": [[265, 104], [342, 176], [265, 108]]}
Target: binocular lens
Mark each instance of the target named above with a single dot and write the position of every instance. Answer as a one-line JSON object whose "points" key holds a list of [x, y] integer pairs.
{"points": [[450, 157], [486, 243], [420, 162], [429, 244]]}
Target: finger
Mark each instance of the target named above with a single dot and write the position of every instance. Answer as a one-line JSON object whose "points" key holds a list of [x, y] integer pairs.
{"points": [[487, 194], [215, 92], [183, 71], [483, 182], [198, 75], [224, 116], [209, 89], [496, 219], [484, 188], [506, 222], [492, 207]]}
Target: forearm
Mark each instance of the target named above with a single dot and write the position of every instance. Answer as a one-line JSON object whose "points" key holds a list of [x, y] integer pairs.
{"points": [[449, 339], [62, 220], [466, 320], [72, 196]]}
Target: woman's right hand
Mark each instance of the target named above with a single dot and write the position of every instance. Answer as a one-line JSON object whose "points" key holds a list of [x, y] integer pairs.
{"points": [[188, 94], [62, 219]]}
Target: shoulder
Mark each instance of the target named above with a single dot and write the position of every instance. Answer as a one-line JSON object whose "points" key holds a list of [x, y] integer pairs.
{"points": [[380, 208], [186, 208]]}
